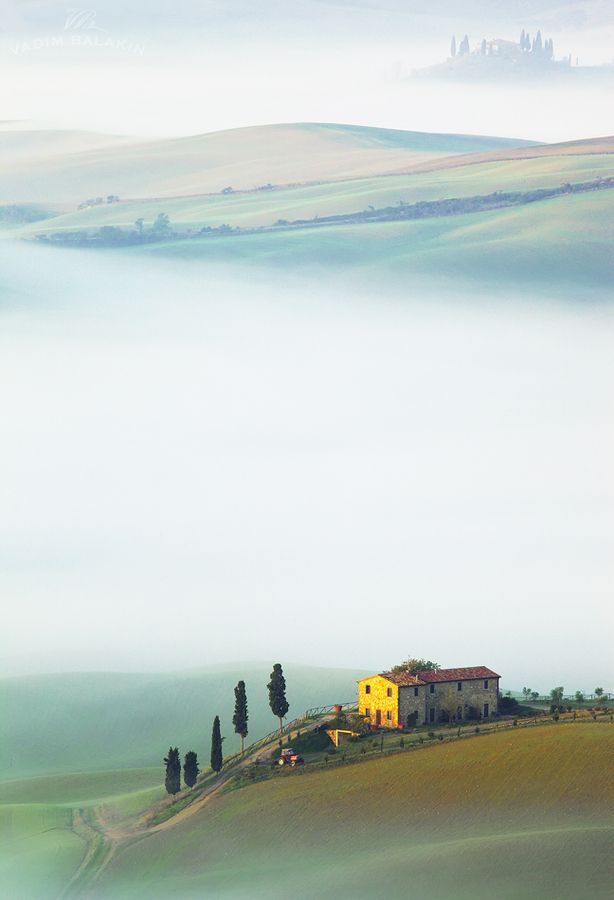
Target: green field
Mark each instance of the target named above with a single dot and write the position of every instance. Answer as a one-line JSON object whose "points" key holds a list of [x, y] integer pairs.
{"points": [[563, 244], [247, 210], [522, 814]]}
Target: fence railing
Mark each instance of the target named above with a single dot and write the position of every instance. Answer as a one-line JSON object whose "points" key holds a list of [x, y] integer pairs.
{"points": [[335, 707]]}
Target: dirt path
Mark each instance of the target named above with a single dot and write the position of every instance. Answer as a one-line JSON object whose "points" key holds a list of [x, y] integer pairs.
{"points": [[103, 838]]}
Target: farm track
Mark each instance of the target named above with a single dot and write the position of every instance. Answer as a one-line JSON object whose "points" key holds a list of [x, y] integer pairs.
{"points": [[103, 840]]}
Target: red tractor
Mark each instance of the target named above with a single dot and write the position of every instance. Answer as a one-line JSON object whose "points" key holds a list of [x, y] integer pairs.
{"points": [[290, 758]]}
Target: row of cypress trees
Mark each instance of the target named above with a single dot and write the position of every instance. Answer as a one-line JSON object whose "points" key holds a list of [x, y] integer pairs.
{"points": [[172, 781], [279, 707]]}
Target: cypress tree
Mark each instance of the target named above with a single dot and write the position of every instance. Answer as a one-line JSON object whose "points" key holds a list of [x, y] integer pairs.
{"points": [[483, 46], [522, 38], [539, 45], [277, 694], [216, 746], [172, 781], [239, 720], [453, 47], [190, 768]]}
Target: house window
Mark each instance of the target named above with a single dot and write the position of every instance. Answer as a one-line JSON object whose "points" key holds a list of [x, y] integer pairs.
{"points": [[431, 715], [367, 689], [486, 710], [486, 684], [459, 686], [388, 716], [432, 688], [389, 692], [415, 692], [367, 711]]}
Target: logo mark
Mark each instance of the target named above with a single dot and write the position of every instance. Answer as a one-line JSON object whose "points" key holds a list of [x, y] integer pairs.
{"points": [[78, 19]]}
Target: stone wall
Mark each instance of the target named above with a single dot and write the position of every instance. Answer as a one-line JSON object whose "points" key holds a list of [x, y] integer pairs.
{"points": [[412, 700], [467, 703], [383, 696]]}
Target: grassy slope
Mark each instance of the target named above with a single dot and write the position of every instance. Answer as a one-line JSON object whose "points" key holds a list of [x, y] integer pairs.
{"points": [[514, 815], [241, 158], [89, 722], [561, 243], [265, 208], [39, 852]]}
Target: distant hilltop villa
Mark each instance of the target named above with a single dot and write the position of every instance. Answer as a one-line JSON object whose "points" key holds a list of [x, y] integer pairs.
{"points": [[532, 55], [401, 699], [528, 50]]}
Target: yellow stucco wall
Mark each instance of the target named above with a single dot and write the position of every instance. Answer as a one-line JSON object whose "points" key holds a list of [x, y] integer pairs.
{"points": [[378, 699]]}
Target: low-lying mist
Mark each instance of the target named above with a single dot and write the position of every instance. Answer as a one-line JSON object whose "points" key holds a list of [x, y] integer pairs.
{"points": [[199, 466]]}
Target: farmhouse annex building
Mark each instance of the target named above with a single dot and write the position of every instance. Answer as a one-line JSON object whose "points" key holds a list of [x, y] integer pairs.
{"points": [[399, 699]]}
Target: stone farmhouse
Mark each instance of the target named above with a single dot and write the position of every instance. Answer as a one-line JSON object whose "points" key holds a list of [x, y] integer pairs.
{"points": [[401, 699]]}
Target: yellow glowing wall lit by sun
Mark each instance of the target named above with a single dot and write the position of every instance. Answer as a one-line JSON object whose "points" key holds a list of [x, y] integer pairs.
{"points": [[378, 700]]}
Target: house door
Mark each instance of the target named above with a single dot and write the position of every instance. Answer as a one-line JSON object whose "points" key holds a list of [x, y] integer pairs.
{"points": [[378, 717]]}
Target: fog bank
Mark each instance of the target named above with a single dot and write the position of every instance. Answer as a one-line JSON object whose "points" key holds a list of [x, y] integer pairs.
{"points": [[198, 468]]}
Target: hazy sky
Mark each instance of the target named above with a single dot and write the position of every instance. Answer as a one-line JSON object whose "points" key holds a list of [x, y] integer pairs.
{"points": [[200, 467], [156, 70]]}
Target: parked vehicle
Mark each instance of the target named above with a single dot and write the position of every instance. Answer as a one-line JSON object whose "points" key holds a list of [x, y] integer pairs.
{"points": [[290, 758]]}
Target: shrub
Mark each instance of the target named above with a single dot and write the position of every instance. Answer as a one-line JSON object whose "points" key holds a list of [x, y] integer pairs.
{"points": [[421, 739], [402, 743], [311, 742], [440, 736], [508, 706], [477, 729]]}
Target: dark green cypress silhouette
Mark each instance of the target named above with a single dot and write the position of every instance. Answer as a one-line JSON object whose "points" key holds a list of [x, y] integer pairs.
{"points": [[239, 720], [172, 781], [216, 746], [190, 768], [277, 694]]}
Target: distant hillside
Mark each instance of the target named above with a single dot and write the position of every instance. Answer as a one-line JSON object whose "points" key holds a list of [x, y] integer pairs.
{"points": [[240, 159], [29, 145], [94, 721]]}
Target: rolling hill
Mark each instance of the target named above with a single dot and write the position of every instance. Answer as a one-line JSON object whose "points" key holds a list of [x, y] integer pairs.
{"points": [[243, 159], [561, 243], [98, 721], [525, 813]]}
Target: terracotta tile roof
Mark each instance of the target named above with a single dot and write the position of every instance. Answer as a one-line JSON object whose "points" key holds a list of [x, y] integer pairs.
{"points": [[401, 678], [404, 679], [457, 674]]}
